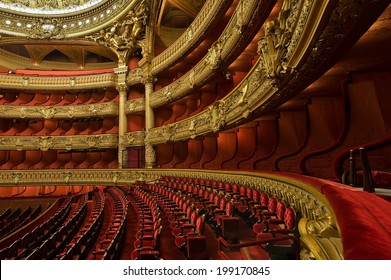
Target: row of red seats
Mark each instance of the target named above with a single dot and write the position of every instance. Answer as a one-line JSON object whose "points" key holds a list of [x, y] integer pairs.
{"points": [[82, 242], [146, 245], [23, 246], [269, 217], [110, 246], [63, 234], [57, 98], [14, 223], [186, 221]]}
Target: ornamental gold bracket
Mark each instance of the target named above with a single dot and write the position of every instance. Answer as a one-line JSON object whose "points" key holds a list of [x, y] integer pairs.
{"points": [[127, 35]]}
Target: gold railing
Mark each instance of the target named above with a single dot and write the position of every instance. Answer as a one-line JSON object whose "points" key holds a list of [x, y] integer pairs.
{"points": [[44, 143], [107, 109]]}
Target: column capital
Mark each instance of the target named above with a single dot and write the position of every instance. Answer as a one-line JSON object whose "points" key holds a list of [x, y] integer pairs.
{"points": [[122, 88], [149, 79]]}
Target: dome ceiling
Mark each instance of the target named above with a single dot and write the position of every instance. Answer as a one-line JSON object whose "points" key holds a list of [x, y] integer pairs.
{"points": [[24, 37], [49, 7]]}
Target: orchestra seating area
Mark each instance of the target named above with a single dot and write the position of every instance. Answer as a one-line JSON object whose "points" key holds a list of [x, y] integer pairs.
{"points": [[187, 218]]}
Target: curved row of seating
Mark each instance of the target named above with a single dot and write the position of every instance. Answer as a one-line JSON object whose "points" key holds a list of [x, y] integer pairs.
{"points": [[52, 245], [146, 245], [187, 221], [57, 98], [268, 217], [82, 242], [11, 224], [25, 245], [110, 246]]}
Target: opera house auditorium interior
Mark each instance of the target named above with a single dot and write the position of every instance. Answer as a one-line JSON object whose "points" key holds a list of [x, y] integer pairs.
{"points": [[195, 130]]}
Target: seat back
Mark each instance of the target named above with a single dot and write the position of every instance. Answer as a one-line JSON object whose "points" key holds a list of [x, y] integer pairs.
{"points": [[264, 200], [280, 210], [290, 218], [229, 209], [199, 225], [272, 204]]}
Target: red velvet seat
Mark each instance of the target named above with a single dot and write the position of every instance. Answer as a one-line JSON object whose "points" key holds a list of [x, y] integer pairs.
{"points": [[180, 241], [144, 254], [270, 219], [283, 248], [149, 241], [185, 226]]}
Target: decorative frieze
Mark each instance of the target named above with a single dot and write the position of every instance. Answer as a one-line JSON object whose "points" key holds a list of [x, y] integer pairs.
{"points": [[60, 23], [107, 109], [194, 33], [135, 106], [58, 83], [44, 143], [134, 139], [221, 52]]}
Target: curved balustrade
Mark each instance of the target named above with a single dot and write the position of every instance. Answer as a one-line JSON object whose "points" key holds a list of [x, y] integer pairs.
{"points": [[135, 76], [211, 11], [248, 14], [44, 143], [134, 106], [268, 84], [134, 139], [58, 83], [107, 109]]}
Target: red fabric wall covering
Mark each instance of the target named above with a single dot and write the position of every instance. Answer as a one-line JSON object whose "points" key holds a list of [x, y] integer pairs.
{"points": [[210, 151], [267, 142], [226, 147], [247, 142], [61, 160], [288, 140], [109, 159], [47, 159], [193, 104], [76, 160], [367, 119], [302, 131], [136, 122], [206, 98], [162, 115], [4, 156], [364, 220], [32, 158], [194, 153], [90, 159], [14, 159], [164, 154], [180, 153], [5, 124], [328, 129]]}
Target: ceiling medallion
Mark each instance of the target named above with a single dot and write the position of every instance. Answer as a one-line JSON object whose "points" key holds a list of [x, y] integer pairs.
{"points": [[48, 7]]}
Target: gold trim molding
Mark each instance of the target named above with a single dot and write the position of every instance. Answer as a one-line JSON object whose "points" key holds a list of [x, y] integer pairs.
{"points": [[135, 76], [222, 50], [107, 109], [134, 139], [135, 106], [21, 24], [188, 40], [58, 83], [44, 143]]}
